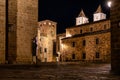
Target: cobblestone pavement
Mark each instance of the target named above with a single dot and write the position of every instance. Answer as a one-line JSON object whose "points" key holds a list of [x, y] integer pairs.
{"points": [[58, 72]]}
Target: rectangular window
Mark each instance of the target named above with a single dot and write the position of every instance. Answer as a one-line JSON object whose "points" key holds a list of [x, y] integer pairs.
{"points": [[73, 44], [73, 56], [40, 49], [84, 56], [97, 55], [45, 50], [80, 31], [97, 41], [105, 26], [84, 42], [91, 29]]}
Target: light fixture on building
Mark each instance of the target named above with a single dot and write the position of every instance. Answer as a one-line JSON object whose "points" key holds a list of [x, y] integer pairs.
{"points": [[109, 3], [44, 23], [68, 35], [49, 23]]}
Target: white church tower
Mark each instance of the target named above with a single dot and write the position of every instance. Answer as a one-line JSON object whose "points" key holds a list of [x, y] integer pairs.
{"points": [[81, 19], [99, 15]]}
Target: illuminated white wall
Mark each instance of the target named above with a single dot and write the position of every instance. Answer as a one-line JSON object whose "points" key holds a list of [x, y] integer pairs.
{"points": [[99, 16], [81, 20]]}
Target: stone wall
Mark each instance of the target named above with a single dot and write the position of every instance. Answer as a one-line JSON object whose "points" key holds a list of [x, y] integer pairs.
{"points": [[12, 26], [27, 18], [91, 32], [2, 30], [115, 36], [90, 49], [18, 20], [46, 40], [90, 27], [58, 41]]}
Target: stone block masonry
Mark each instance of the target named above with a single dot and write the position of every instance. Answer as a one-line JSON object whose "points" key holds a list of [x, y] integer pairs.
{"points": [[115, 36], [18, 24], [2, 30]]}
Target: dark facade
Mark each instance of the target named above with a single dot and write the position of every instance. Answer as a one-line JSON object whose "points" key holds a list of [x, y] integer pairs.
{"points": [[115, 36]]}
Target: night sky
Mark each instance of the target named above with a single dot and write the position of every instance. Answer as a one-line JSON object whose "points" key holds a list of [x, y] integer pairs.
{"points": [[64, 12]]}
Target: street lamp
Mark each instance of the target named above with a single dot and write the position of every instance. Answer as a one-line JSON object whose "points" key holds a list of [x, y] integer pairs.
{"points": [[109, 3]]}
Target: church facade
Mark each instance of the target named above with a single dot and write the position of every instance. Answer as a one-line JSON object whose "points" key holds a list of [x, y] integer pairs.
{"points": [[87, 41]]}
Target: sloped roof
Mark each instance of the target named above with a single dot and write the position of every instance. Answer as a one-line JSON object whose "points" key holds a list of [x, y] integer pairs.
{"points": [[82, 14], [99, 9]]}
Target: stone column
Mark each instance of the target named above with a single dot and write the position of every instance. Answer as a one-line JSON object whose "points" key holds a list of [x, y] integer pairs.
{"points": [[2, 30], [27, 22], [115, 36]]}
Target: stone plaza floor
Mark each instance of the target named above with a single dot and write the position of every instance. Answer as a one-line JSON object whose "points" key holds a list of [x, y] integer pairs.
{"points": [[57, 71]]}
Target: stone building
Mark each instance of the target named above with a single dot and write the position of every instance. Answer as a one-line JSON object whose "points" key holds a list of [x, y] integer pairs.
{"points": [[17, 29], [87, 41], [46, 41], [59, 44], [2, 30], [115, 36]]}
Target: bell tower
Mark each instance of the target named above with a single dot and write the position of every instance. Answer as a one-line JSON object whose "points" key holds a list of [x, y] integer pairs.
{"points": [[81, 19], [99, 15]]}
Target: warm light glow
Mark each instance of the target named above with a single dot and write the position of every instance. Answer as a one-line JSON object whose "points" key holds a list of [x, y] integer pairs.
{"points": [[109, 3], [62, 45], [49, 23], [58, 53], [45, 23], [68, 35]]}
